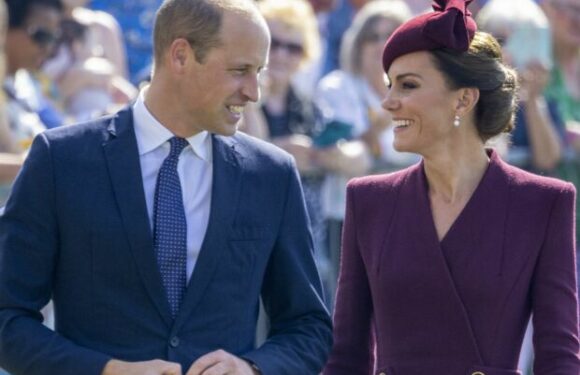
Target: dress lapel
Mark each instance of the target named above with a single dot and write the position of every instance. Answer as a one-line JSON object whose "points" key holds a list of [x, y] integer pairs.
{"points": [[122, 155], [474, 242], [478, 233], [475, 252], [438, 274]]}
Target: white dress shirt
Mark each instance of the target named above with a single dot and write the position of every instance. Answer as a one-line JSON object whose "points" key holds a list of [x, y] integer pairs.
{"points": [[195, 169]]}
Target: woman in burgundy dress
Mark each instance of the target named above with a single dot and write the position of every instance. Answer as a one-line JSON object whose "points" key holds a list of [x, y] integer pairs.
{"points": [[443, 263]]}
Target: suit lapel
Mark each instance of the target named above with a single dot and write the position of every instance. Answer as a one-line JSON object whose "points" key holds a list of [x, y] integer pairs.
{"points": [[122, 157], [227, 176]]}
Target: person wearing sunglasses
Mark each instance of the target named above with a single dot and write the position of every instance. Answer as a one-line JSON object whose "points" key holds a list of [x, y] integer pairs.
{"points": [[290, 118], [89, 66], [33, 32], [33, 29], [349, 100]]}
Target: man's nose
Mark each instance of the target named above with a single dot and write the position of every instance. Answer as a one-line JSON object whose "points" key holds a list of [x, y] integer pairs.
{"points": [[251, 88]]}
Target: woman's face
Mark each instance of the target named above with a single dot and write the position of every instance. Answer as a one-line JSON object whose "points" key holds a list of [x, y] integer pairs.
{"points": [[372, 47], [286, 51], [422, 106], [29, 45]]}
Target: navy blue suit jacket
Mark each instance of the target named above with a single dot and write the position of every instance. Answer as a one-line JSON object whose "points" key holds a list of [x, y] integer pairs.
{"points": [[76, 230]]}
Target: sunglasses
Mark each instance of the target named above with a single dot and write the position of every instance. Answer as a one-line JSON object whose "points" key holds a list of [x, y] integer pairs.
{"points": [[291, 48], [42, 37]]}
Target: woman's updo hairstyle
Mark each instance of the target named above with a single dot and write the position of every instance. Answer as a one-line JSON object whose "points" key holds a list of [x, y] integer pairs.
{"points": [[481, 67]]}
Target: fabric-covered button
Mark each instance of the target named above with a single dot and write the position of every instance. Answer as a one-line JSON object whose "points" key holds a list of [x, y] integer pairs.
{"points": [[174, 342]]}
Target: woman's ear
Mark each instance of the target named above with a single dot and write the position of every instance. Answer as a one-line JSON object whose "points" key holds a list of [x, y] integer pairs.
{"points": [[467, 100]]}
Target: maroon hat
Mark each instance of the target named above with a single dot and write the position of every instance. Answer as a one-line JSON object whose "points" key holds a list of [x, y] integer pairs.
{"points": [[449, 26]]}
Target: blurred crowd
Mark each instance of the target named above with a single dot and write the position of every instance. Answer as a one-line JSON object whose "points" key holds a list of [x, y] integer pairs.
{"points": [[67, 61]]}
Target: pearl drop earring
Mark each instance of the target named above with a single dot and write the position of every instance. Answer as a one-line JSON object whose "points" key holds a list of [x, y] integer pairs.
{"points": [[456, 121]]}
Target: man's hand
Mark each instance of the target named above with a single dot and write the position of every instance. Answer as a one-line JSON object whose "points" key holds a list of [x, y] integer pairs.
{"points": [[155, 367], [221, 362]]}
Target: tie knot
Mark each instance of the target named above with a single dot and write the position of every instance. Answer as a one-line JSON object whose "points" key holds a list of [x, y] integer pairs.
{"points": [[177, 145]]}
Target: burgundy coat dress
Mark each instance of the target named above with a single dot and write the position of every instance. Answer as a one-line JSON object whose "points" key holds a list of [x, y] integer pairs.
{"points": [[409, 304]]}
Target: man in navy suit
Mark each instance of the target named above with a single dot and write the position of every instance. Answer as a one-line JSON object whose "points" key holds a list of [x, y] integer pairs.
{"points": [[84, 225]]}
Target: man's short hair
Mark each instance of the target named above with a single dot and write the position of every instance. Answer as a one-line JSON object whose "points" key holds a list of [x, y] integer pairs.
{"points": [[197, 21], [19, 10]]}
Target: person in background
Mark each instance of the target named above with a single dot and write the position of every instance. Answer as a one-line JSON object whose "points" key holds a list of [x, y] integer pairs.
{"points": [[352, 95], [444, 262], [89, 66], [520, 26], [33, 31], [349, 100], [11, 156], [564, 85], [337, 22], [136, 20], [105, 37], [291, 119], [157, 231]]}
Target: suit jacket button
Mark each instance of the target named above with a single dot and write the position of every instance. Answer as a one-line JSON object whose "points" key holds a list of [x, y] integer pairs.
{"points": [[174, 342]]}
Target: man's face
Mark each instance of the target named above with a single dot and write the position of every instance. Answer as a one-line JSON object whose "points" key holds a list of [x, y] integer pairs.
{"points": [[216, 90], [29, 45]]}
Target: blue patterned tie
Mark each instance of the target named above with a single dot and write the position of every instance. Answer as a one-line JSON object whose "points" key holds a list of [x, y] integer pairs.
{"points": [[170, 227]]}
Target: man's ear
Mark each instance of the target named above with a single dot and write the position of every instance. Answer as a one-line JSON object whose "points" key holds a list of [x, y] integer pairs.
{"points": [[180, 53], [467, 100]]}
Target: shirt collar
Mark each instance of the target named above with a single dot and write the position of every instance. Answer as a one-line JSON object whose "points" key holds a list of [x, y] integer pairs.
{"points": [[151, 134]]}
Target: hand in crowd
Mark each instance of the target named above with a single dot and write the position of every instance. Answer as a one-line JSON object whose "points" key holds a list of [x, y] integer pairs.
{"points": [[573, 135], [350, 158], [299, 146], [533, 80]]}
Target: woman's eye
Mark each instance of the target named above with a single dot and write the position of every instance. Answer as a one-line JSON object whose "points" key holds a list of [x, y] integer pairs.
{"points": [[409, 85]]}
